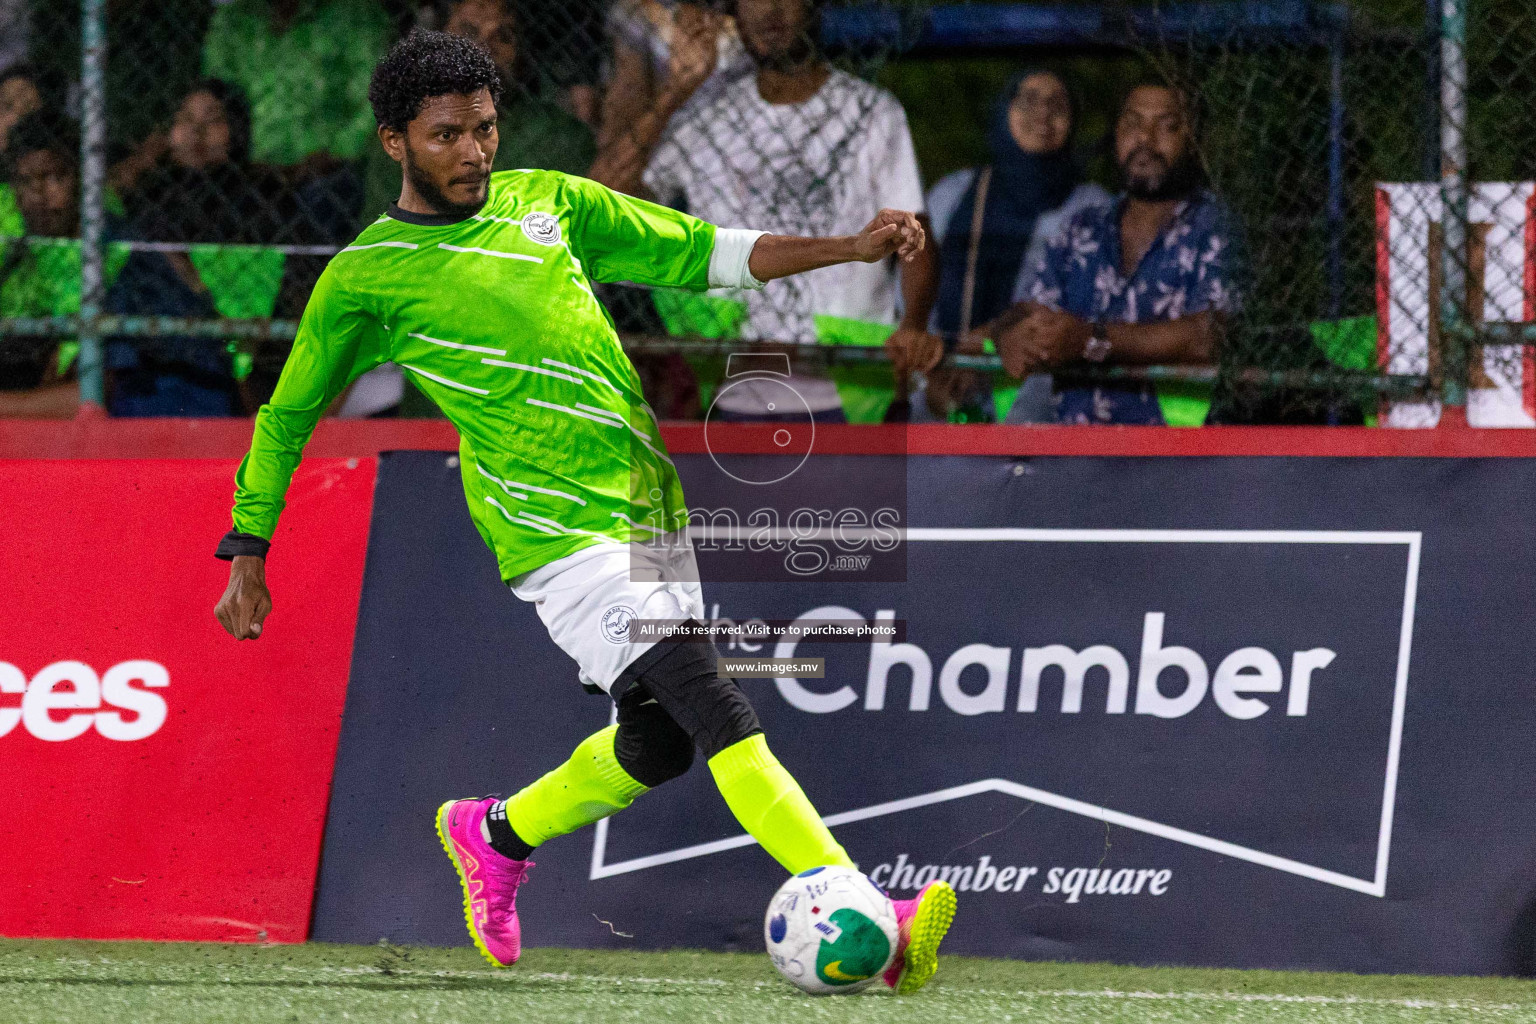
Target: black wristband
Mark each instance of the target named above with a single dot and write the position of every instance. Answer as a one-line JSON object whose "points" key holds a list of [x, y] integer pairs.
{"points": [[235, 544]]}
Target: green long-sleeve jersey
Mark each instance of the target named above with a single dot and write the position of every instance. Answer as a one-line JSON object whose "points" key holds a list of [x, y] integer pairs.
{"points": [[494, 318]]}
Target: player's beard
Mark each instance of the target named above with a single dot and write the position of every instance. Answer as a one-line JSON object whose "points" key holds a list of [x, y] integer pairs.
{"points": [[433, 196], [1175, 182]]}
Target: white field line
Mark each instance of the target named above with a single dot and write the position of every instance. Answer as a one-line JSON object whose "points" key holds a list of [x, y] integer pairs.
{"points": [[716, 984], [1251, 997], [161, 973]]}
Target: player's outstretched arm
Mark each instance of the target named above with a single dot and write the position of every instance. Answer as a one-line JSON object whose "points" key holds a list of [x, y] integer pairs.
{"points": [[337, 341], [892, 233], [246, 602]]}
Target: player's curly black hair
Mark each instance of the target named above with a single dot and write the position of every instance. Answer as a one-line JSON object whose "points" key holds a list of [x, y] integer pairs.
{"points": [[426, 64]]}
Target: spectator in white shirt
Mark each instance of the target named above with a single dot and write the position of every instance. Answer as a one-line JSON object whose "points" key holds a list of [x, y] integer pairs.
{"points": [[797, 148]]}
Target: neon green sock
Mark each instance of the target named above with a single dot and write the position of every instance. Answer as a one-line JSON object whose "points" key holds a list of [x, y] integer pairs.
{"points": [[588, 787], [771, 806]]}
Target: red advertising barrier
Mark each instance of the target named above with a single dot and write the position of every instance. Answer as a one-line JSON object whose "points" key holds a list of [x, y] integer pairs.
{"points": [[162, 781]]}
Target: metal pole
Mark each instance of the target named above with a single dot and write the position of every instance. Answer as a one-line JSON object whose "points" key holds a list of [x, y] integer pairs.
{"points": [[1336, 172], [1430, 156], [1453, 195], [93, 180]]}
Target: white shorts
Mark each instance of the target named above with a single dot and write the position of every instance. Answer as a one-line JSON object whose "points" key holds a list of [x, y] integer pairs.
{"points": [[588, 599]]}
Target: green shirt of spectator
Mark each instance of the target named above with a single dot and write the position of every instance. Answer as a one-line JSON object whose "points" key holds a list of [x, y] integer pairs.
{"points": [[44, 277], [11, 224], [305, 65], [536, 134], [40, 277]]}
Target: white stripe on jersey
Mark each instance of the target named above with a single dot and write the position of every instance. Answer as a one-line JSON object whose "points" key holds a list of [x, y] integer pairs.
{"points": [[445, 380], [455, 344], [507, 484], [376, 245], [614, 421], [532, 369], [484, 252], [585, 373]]}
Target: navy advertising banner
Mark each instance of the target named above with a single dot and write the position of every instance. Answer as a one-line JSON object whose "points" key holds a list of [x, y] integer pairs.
{"points": [[1255, 712]]}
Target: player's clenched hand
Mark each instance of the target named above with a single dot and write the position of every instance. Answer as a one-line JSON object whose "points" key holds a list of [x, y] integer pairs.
{"points": [[246, 601], [892, 231]]}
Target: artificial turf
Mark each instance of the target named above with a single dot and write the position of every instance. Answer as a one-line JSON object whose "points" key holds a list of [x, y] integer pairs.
{"points": [[152, 983]]}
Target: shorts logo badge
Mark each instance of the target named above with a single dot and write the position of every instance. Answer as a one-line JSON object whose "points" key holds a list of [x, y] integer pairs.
{"points": [[543, 228], [616, 623]]}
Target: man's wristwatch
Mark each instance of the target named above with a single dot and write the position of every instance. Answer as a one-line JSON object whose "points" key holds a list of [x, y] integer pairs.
{"points": [[1097, 348]]}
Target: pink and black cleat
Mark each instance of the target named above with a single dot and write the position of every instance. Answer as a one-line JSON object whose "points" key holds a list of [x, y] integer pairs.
{"points": [[923, 922], [489, 880]]}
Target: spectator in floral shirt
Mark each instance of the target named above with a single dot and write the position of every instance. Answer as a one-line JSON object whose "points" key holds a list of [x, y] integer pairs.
{"points": [[1144, 281]]}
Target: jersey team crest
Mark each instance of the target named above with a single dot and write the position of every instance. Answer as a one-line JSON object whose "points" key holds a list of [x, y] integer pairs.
{"points": [[543, 228], [616, 623]]}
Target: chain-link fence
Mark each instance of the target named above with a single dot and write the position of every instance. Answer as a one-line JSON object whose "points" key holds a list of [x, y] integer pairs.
{"points": [[161, 262], [1323, 132]]}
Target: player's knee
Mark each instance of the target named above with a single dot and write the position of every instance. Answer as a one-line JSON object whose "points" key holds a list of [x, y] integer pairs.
{"points": [[715, 712], [649, 745], [734, 718]]}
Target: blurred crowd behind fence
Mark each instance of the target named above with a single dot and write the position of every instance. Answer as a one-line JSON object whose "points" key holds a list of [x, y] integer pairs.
{"points": [[178, 172]]}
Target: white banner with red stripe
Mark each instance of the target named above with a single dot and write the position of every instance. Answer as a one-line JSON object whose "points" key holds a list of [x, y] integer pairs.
{"points": [[1407, 296]]}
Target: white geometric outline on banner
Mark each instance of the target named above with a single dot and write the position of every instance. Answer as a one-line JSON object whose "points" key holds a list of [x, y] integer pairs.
{"points": [[1376, 886]]}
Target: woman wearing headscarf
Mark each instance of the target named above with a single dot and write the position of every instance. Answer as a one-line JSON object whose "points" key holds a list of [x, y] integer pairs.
{"points": [[992, 222]]}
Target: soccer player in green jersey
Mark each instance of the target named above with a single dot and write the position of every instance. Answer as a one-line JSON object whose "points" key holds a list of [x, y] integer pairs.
{"points": [[479, 286]]}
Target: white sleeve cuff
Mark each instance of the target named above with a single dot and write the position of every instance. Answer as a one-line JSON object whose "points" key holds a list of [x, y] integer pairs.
{"points": [[728, 263]]}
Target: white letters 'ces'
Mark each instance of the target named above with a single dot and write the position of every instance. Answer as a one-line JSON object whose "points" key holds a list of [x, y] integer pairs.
{"points": [[74, 687]]}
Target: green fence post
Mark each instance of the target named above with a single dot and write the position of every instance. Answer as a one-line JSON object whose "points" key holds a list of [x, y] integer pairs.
{"points": [[1455, 325], [93, 179]]}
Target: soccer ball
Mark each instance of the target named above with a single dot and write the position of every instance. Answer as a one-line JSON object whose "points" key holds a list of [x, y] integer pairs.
{"points": [[830, 930]]}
